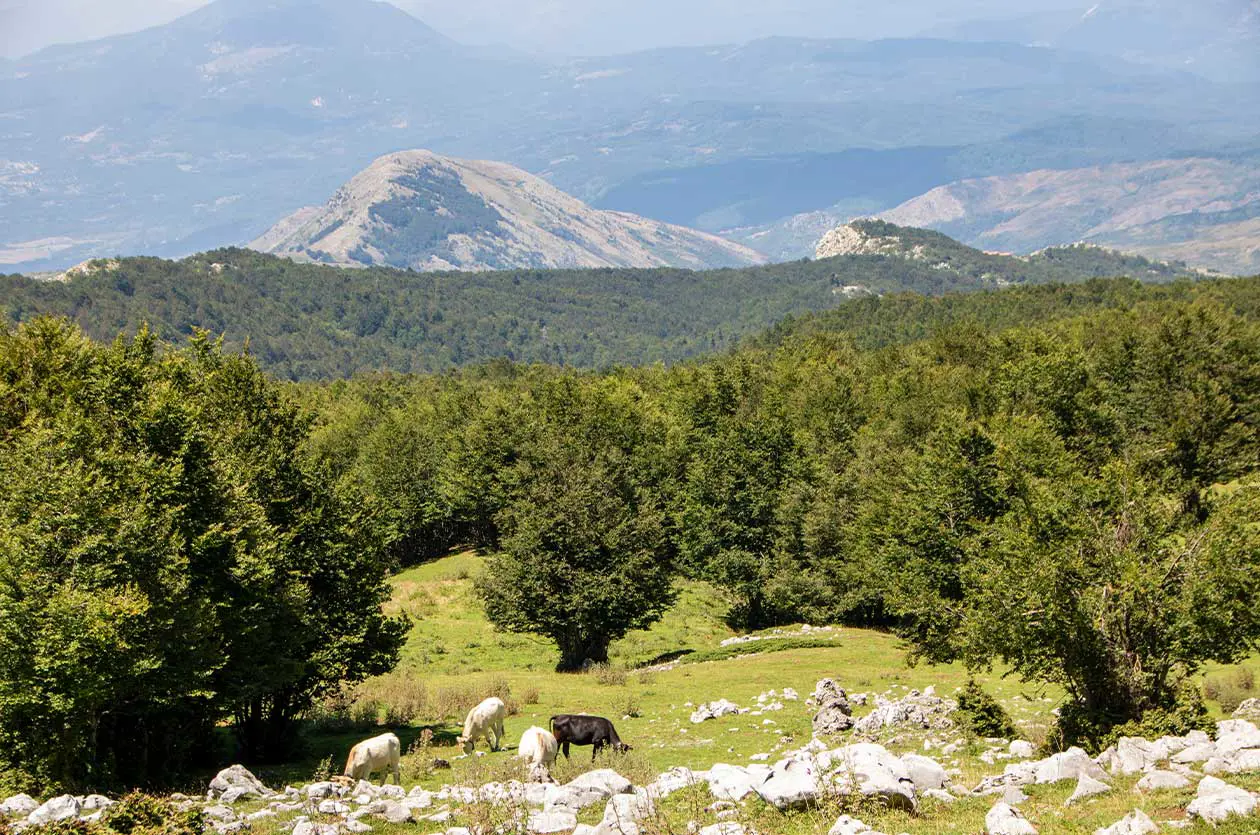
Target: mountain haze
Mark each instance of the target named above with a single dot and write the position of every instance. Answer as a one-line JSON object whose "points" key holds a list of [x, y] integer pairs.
{"points": [[204, 131], [420, 210]]}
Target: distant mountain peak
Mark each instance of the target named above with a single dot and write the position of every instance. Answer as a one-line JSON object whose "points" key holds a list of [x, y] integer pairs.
{"points": [[310, 22], [424, 211]]}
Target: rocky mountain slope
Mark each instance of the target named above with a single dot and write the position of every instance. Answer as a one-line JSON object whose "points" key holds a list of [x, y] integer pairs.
{"points": [[424, 211], [1203, 211]]}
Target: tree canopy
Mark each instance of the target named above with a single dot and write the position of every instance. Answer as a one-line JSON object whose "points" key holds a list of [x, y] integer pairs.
{"points": [[167, 560]]}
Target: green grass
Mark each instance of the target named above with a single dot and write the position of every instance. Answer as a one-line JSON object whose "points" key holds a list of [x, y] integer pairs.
{"points": [[452, 648]]}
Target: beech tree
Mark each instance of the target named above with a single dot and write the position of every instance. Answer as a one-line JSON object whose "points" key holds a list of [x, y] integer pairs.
{"points": [[166, 561], [586, 552]]}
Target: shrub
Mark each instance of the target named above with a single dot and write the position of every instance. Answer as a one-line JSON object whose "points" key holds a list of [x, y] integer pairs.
{"points": [[455, 700], [1186, 714], [981, 714], [608, 675], [142, 814]]}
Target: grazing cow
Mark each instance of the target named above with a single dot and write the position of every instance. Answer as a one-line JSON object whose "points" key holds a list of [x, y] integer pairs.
{"points": [[484, 720], [538, 748], [380, 753], [580, 729]]}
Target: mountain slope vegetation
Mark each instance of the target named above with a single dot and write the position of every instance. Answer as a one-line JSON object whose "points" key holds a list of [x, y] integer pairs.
{"points": [[306, 321]]}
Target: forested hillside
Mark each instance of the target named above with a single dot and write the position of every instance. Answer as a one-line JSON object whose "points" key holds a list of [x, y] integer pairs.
{"points": [[306, 321], [1003, 476], [1064, 479]]}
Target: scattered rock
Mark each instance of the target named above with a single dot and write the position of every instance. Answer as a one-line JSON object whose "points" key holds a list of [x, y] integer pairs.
{"points": [[237, 777], [1013, 796], [793, 784], [63, 807], [1216, 801], [623, 814], [1249, 709], [672, 781], [723, 828], [558, 820], [18, 806], [1007, 820], [730, 782], [1022, 750], [1087, 787], [1134, 823], [1157, 780], [219, 813], [713, 710], [305, 827], [916, 710], [846, 825]]}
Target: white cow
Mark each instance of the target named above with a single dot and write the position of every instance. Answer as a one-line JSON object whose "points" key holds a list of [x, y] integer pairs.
{"points": [[484, 720], [538, 748], [380, 753]]}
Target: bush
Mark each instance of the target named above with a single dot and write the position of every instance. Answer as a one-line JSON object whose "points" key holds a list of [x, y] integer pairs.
{"points": [[455, 700], [1231, 691], [142, 814], [608, 675], [1188, 713], [981, 714]]}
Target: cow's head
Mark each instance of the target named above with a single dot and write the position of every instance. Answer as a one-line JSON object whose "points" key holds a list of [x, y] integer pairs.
{"points": [[622, 748], [466, 743]]}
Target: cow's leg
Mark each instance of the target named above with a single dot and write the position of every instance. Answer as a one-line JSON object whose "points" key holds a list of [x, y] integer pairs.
{"points": [[599, 743], [564, 746]]}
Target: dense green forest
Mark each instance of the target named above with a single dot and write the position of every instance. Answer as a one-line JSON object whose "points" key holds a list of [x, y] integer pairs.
{"points": [[1062, 478], [307, 322]]}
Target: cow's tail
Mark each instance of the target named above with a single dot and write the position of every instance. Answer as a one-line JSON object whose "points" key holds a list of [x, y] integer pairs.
{"points": [[551, 725]]}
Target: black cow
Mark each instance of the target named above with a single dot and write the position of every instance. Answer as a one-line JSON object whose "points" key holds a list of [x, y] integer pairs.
{"points": [[580, 729]]}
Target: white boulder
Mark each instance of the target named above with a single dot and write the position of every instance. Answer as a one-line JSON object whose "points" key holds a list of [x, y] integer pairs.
{"points": [[1134, 823], [1217, 801], [63, 807], [1007, 820], [1157, 780], [237, 777], [1087, 787]]}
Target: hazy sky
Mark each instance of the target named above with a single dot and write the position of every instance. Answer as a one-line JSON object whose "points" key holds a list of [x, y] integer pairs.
{"points": [[558, 26]]}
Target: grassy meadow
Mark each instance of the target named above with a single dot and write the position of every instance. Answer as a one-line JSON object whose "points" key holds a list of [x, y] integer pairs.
{"points": [[453, 658]]}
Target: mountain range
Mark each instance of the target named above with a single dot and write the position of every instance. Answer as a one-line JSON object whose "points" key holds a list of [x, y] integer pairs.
{"points": [[208, 130], [419, 210]]}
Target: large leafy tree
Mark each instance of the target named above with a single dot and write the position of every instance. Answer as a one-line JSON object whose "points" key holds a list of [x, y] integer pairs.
{"points": [[586, 552], [166, 560]]}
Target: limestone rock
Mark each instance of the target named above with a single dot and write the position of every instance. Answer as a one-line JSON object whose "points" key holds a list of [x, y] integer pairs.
{"points": [[18, 806], [730, 782], [714, 710], [846, 825], [1154, 781], [1087, 787], [1022, 750], [1007, 820], [1216, 801], [237, 777], [793, 784], [63, 807], [559, 820], [1134, 823]]}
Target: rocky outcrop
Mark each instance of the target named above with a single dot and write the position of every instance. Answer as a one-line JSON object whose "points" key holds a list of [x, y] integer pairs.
{"points": [[419, 210]]}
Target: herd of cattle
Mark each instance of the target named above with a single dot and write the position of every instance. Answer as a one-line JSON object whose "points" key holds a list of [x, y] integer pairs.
{"points": [[538, 746]]}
